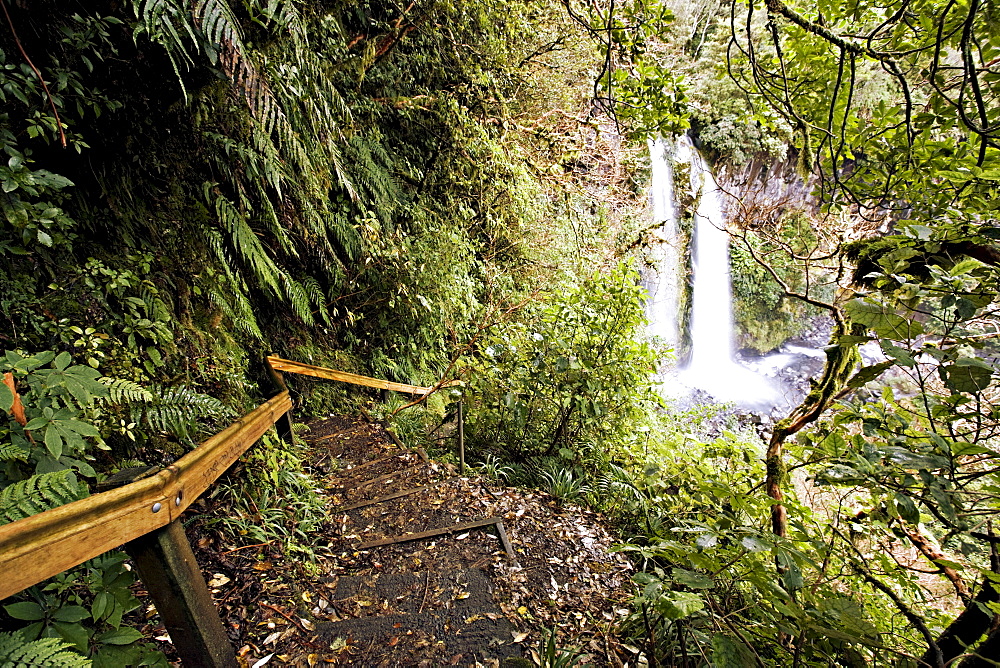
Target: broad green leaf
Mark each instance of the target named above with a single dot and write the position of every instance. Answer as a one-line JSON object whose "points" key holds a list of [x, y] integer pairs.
{"points": [[869, 373], [54, 441], [730, 653], [882, 320], [965, 266], [792, 578], [73, 633], [971, 379], [6, 398], [692, 579], [907, 509], [679, 604], [36, 423], [70, 613], [123, 636], [26, 610], [62, 361]]}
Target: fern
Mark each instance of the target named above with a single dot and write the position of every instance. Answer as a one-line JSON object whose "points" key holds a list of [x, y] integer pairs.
{"points": [[315, 293], [231, 297], [121, 391], [10, 452], [247, 244], [39, 493], [17, 652], [177, 410], [281, 161]]}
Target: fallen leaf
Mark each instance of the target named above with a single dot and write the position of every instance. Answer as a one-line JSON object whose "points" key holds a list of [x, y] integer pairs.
{"points": [[263, 661], [462, 596], [218, 579], [519, 637]]}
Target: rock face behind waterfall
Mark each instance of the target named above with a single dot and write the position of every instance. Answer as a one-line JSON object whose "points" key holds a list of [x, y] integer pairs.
{"points": [[766, 184]]}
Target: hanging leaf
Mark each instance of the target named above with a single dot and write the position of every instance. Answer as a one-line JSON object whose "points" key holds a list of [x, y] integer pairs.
{"points": [[869, 373], [967, 377], [907, 509], [882, 320], [692, 579]]}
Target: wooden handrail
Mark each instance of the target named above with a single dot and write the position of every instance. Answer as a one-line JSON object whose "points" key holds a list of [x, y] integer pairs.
{"points": [[43, 545], [279, 364]]}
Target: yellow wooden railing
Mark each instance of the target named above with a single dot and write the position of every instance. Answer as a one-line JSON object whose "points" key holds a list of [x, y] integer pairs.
{"points": [[143, 517]]}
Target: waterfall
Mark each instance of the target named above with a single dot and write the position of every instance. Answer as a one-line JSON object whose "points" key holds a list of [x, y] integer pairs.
{"points": [[712, 367], [711, 292], [661, 307]]}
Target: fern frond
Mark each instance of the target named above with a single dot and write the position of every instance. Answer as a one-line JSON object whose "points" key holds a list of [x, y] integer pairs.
{"points": [[217, 21], [247, 244], [41, 653], [231, 297], [298, 298], [10, 453], [165, 22], [121, 391], [177, 410], [315, 293], [39, 493]]}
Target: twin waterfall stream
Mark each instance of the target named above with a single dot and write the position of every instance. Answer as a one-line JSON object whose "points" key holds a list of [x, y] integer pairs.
{"points": [[711, 365]]}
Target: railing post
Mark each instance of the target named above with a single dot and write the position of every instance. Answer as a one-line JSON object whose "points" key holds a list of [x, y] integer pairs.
{"points": [[284, 423], [461, 436], [167, 567]]}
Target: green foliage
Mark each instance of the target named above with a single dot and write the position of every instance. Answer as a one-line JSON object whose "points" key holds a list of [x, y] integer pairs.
{"points": [[765, 315], [82, 610], [38, 493], [44, 653], [493, 468], [551, 655], [54, 436], [562, 484], [708, 590], [575, 372], [179, 411], [277, 501]]}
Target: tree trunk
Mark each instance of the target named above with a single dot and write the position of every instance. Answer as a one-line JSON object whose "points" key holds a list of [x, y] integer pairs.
{"points": [[967, 628]]}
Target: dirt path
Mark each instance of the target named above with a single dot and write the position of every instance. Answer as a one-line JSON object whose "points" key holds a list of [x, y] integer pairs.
{"points": [[454, 597]]}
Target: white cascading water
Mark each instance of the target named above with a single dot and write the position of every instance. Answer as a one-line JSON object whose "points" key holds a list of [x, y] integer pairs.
{"points": [[661, 307], [711, 366]]}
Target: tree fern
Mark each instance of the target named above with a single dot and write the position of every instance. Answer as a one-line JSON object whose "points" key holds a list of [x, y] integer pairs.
{"points": [[39, 493], [17, 652]]}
